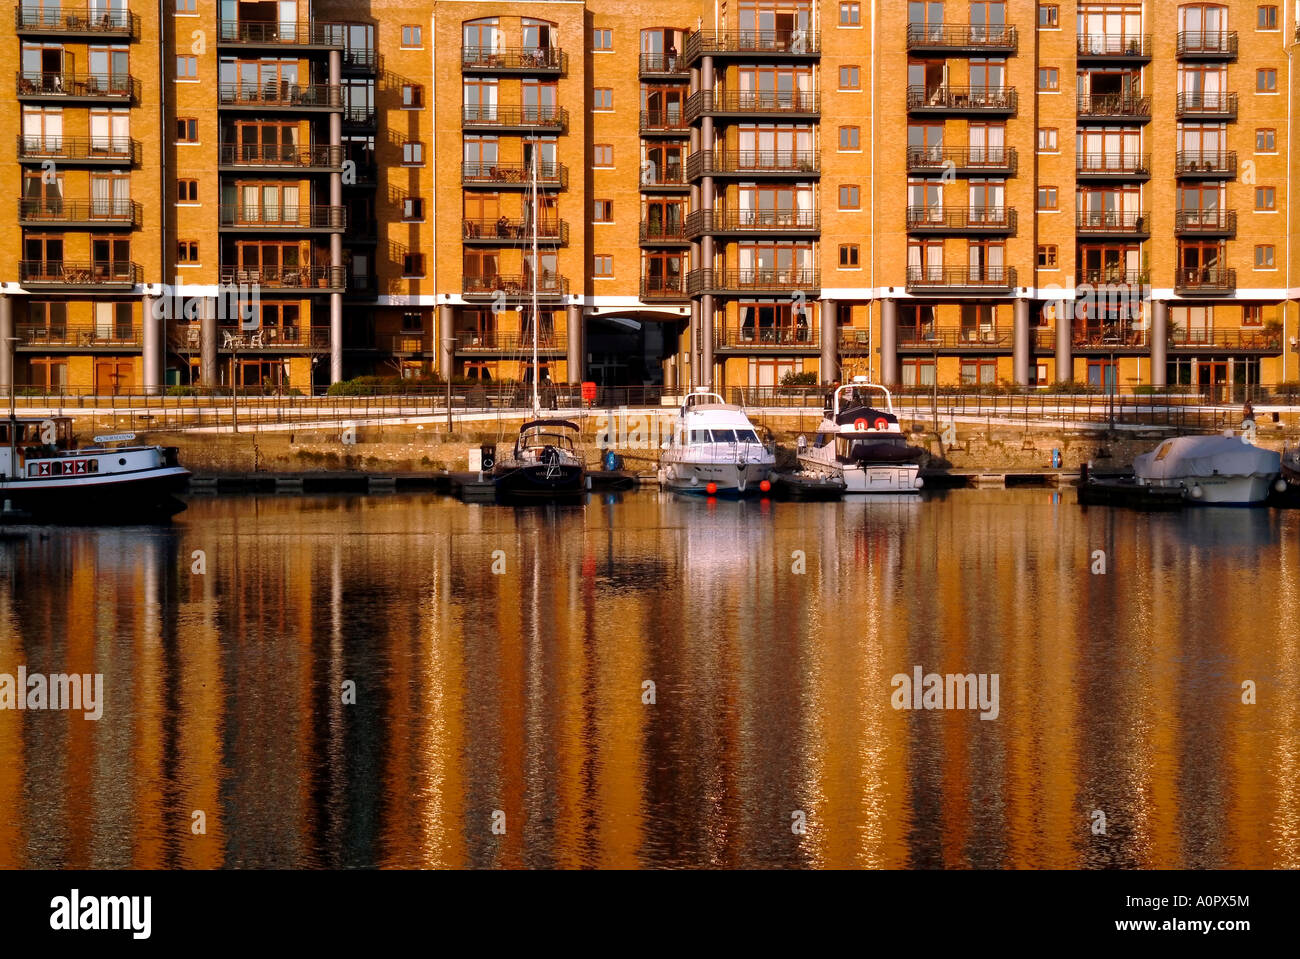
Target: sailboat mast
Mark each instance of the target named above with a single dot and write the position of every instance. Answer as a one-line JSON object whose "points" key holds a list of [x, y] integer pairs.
{"points": [[537, 401]]}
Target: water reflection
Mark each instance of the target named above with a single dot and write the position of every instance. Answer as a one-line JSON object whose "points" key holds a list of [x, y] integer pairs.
{"points": [[499, 659]]}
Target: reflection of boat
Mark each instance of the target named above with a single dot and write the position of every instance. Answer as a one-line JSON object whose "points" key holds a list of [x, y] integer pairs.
{"points": [[863, 444], [43, 473], [715, 449], [1220, 470]]}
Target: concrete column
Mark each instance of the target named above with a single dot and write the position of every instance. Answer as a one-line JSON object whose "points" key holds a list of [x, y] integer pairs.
{"points": [[1064, 342], [336, 237], [152, 360], [208, 343], [693, 344], [670, 371], [577, 343], [446, 349], [889, 342], [830, 336], [6, 346], [706, 340], [1159, 342], [1020, 344]]}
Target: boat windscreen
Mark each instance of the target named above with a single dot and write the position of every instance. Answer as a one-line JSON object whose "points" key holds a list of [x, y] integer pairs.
{"points": [[724, 436], [746, 436]]}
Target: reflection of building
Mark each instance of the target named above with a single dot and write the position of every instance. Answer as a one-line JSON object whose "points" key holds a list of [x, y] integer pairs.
{"points": [[759, 184]]}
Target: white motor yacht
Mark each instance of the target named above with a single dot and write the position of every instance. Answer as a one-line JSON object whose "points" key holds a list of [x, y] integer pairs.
{"points": [[714, 449], [861, 442]]}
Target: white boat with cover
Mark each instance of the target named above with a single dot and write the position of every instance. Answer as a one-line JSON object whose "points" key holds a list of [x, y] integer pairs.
{"points": [[1224, 470], [861, 442], [715, 449]]}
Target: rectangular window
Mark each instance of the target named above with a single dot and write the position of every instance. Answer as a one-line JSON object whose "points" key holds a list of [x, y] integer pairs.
{"points": [[1266, 80], [413, 264], [848, 256], [602, 155], [602, 211], [602, 98], [413, 322], [1049, 16], [1266, 17], [1047, 140], [850, 197], [1265, 198], [1047, 257], [602, 39], [1265, 141], [187, 68], [1047, 198], [187, 191], [413, 154], [1252, 314], [187, 251], [850, 78], [1264, 257], [412, 36], [850, 15], [412, 96], [186, 6], [1049, 78], [602, 265], [413, 208], [850, 138], [187, 130]]}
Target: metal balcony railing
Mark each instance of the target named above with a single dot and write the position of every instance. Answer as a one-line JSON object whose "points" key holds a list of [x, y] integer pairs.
{"points": [[111, 151], [773, 43], [966, 38], [654, 175], [109, 212], [1111, 221], [283, 155], [949, 99], [961, 277], [660, 232], [1208, 279], [282, 95], [299, 33], [514, 60], [756, 102], [757, 162], [1112, 164], [663, 288], [1113, 278], [533, 117], [1104, 337], [79, 86], [1217, 222], [661, 65], [665, 121], [495, 341], [753, 221], [1210, 105], [931, 337], [994, 160], [1211, 163], [234, 339], [961, 219], [1117, 105], [285, 277], [1246, 340], [81, 335], [489, 173], [333, 218], [802, 335], [1113, 46], [508, 231], [72, 273], [752, 281], [1212, 44], [548, 284], [52, 18], [364, 59]]}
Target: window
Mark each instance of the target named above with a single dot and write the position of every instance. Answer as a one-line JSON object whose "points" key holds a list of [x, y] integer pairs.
{"points": [[187, 130], [412, 36], [1049, 16], [850, 197], [1047, 141], [1047, 257], [1266, 80], [850, 78], [1252, 314], [849, 256], [187, 251], [602, 264], [412, 96], [413, 264], [602, 98], [1265, 198], [1264, 257], [186, 6], [602, 211], [849, 138], [1049, 78], [1265, 141], [413, 154], [1266, 17], [602, 39], [1047, 198], [850, 15], [412, 322], [187, 191], [413, 208], [187, 68], [602, 155]]}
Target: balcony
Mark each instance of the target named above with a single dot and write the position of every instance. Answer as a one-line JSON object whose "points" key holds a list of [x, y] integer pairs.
{"points": [[1206, 106], [513, 232], [961, 219], [1096, 223], [1205, 281], [978, 40], [79, 336], [79, 87], [790, 338], [1113, 48], [664, 234], [753, 281], [515, 287], [946, 100], [753, 163], [1108, 338], [78, 214], [310, 97], [749, 222], [79, 151], [72, 276], [514, 119], [493, 341], [1112, 166], [303, 35], [358, 117], [660, 66], [269, 339], [855, 341], [1113, 279], [321, 279], [410, 343], [664, 178], [75, 23], [753, 45], [513, 176], [656, 289], [535, 62], [1213, 165], [315, 219], [312, 159], [988, 338], [1203, 45], [962, 161], [1113, 107], [796, 104], [360, 59], [1234, 341], [1217, 223], [664, 123], [961, 279]]}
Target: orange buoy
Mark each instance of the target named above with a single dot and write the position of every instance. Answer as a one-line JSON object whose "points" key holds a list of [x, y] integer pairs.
{"points": [[711, 488], [860, 424], [882, 423], [765, 486]]}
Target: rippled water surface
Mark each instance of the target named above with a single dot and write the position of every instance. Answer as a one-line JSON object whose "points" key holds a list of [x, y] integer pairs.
{"points": [[517, 698]]}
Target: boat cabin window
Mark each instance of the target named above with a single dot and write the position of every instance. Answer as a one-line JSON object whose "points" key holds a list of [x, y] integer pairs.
{"points": [[724, 436], [746, 436], [821, 440], [850, 448], [538, 438]]}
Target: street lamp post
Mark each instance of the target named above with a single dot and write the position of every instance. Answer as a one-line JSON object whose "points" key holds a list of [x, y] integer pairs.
{"points": [[449, 344], [11, 344]]}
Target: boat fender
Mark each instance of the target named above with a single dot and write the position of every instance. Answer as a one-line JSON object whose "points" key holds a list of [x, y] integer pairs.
{"points": [[860, 424], [711, 488], [881, 423], [1197, 492], [1279, 485], [765, 486]]}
